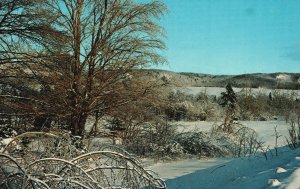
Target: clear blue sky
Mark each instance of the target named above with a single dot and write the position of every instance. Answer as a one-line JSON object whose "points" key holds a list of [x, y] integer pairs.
{"points": [[232, 36]]}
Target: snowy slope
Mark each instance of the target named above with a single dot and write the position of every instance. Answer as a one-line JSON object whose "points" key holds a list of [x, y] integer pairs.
{"points": [[282, 171], [245, 173]]}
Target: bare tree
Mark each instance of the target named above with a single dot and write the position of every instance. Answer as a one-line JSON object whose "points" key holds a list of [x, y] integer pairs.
{"points": [[108, 41], [96, 68]]}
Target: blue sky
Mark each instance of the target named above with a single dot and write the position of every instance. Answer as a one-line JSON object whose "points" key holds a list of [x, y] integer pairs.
{"points": [[232, 36]]}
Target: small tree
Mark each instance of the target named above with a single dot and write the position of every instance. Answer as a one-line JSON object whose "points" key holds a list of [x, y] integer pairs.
{"points": [[228, 100]]}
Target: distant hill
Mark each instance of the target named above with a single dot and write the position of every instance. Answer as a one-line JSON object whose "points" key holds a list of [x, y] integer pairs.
{"points": [[256, 80]]}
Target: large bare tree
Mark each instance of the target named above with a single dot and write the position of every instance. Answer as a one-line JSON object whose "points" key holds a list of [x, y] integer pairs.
{"points": [[109, 39], [95, 68]]}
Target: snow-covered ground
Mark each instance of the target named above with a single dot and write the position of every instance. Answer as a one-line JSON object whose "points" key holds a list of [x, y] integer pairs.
{"points": [[240, 173], [282, 171]]}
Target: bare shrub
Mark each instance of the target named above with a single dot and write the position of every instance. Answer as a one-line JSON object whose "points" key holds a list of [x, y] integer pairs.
{"points": [[12, 175], [11, 125], [36, 145], [97, 169], [246, 103], [198, 143], [155, 140], [294, 136], [252, 106], [277, 136], [184, 106], [247, 142], [284, 104], [241, 141], [208, 106]]}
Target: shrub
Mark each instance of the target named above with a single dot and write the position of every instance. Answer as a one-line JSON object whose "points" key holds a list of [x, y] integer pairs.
{"points": [[294, 135], [252, 106], [198, 143], [242, 141], [35, 165], [154, 140], [283, 103]]}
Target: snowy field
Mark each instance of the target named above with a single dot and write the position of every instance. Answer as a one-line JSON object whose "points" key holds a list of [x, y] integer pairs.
{"points": [[282, 171]]}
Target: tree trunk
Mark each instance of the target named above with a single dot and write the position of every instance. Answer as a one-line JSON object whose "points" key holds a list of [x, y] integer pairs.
{"points": [[78, 121], [94, 127]]}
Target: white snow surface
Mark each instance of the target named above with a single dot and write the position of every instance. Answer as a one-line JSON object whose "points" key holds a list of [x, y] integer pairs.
{"points": [[282, 171], [283, 77], [293, 181]]}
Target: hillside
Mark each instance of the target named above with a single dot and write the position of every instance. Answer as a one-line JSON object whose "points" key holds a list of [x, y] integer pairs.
{"points": [[256, 80]]}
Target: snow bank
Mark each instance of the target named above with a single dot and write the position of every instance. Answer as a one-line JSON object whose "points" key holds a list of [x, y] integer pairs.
{"points": [[282, 171], [246, 173], [176, 169], [294, 180]]}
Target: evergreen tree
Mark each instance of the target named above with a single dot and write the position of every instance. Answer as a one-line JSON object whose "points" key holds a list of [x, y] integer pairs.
{"points": [[228, 100]]}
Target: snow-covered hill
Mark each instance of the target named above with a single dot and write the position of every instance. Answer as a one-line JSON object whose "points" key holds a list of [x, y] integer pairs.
{"points": [[255, 80]]}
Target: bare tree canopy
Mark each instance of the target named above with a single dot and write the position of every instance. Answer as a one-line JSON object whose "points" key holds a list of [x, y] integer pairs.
{"points": [[24, 23], [94, 68]]}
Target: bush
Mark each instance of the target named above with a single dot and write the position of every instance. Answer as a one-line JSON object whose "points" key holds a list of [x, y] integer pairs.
{"points": [[35, 165], [198, 143], [252, 106], [283, 103], [155, 140], [177, 112], [294, 136], [242, 141]]}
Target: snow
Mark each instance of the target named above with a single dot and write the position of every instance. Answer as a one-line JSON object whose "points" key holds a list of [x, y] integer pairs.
{"points": [[294, 180], [246, 173], [273, 182], [282, 171], [175, 169], [6, 141], [283, 77]]}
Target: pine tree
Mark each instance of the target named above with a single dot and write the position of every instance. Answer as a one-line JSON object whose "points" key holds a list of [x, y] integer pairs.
{"points": [[228, 101]]}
